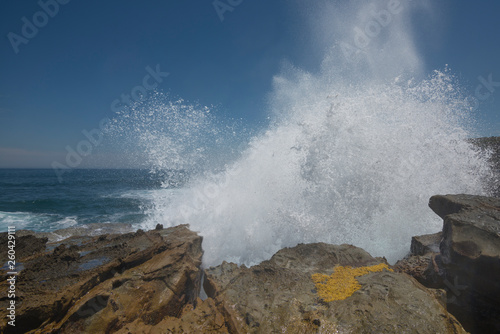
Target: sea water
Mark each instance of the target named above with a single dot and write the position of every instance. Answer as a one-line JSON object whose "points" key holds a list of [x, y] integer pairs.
{"points": [[35, 199]]}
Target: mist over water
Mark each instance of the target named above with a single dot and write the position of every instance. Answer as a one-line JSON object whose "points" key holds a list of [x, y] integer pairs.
{"points": [[352, 154]]}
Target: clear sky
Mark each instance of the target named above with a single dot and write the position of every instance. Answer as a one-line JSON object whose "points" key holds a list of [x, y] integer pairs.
{"points": [[64, 63]]}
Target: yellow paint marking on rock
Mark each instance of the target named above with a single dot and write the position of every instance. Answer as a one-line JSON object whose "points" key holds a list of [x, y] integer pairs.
{"points": [[342, 283]]}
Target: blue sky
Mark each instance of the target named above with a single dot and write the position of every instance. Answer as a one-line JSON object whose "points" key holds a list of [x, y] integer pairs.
{"points": [[65, 76]]}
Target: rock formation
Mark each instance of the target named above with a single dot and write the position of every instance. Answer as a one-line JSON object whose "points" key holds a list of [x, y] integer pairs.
{"points": [[463, 259], [470, 258], [99, 284], [280, 295]]}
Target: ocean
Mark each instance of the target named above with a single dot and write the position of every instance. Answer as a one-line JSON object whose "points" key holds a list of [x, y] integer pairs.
{"points": [[34, 199]]}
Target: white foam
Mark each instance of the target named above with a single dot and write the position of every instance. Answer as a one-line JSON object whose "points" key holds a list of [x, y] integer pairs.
{"points": [[67, 222], [147, 194], [13, 219], [350, 156], [35, 221]]}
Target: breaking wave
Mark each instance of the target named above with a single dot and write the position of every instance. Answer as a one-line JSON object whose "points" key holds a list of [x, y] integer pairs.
{"points": [[351, 154]]}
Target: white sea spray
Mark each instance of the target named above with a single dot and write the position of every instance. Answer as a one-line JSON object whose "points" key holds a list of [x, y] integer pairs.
{"points": [[352, 155]]}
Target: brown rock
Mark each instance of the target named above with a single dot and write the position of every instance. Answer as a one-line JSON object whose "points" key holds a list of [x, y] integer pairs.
{"points": [[205, 318], [423, 244], [470, 258], [98, 285], [422, 262], [25, 246], [279, 295]]}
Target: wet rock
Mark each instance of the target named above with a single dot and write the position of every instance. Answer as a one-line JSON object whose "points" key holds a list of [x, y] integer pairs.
{"points": [[99, 285], [422, 268], [63, 253], [469, 259], [95, 229], [25, 245], [429, 243], [280, 295], [422, 262]]}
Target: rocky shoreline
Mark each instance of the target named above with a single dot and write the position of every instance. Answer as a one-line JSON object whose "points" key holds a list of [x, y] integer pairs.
{"points": [[150, 282]]}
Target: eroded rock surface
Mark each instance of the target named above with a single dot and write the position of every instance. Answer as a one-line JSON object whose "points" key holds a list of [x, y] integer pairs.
{"points": [[279, 296], [422, 262], [101, 284], [469, 259], [204, 318], [25, 246], [424, 244]]}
